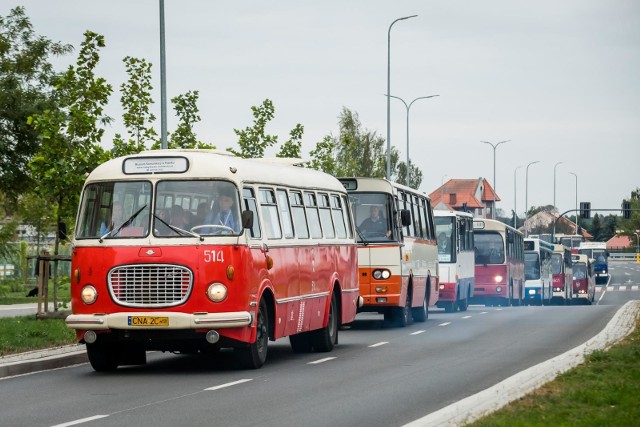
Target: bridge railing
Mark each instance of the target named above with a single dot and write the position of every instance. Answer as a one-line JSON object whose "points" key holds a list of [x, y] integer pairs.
{"points": [[622, 256]]}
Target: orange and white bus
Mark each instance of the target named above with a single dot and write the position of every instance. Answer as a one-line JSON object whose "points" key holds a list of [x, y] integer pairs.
{"points": [[562, 271], [397, 252], [499, 256], [455, 255], [212, 251]]}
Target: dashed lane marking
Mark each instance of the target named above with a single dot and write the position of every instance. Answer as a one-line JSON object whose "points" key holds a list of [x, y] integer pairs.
{"points": [[81, 421], [326, 359], [378, 344], [444, 324], [218, 387], [416, 333]]}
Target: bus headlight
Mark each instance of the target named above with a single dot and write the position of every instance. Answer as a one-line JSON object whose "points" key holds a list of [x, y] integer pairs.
{"points": [[499, 289], [89, 294], [381, 274], [498, 279], [217, 292]]}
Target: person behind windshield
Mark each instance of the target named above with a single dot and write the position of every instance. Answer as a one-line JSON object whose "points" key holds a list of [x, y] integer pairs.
{"points": [[443, 243], [117, 218], [375, 224], [226, 216], [178, 217]]}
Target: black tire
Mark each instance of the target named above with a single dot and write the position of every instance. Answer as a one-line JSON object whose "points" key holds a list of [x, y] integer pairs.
{"points": [[301, 343], [403, 314], [463, 304], [326, 338], [421, 314], [103, 358], [450, 307], [255, 354]]}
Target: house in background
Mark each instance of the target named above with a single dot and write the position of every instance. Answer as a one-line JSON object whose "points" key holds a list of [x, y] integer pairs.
{"points": [[620, 243], [473, 195], [542, 222]]}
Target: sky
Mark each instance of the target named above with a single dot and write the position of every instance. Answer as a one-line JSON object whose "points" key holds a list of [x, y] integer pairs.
{"points": [[560, 80]]}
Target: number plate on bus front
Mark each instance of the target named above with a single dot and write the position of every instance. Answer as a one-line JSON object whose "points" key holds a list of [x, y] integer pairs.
{"points": [[148, 321]]}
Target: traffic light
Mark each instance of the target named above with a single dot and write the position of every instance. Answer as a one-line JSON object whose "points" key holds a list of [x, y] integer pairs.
{"points": [[585, 210], [626, 209]]}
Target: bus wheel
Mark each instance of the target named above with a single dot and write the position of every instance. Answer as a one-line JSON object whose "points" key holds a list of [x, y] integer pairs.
{"points": [[301, 343], [255, 354], [403, 314], [421, 314], [463, 304], [326, 338], [103, 358], [450, 307]]}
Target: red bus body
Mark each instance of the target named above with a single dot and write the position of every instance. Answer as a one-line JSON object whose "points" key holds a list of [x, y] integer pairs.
{"points": [[584, 285]]}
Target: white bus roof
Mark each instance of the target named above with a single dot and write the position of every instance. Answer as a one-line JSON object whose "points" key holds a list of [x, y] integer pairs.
{"points": [[486, 224], [376, 184], [204, 164], [593, 245], [579, 258], [441, 212]]}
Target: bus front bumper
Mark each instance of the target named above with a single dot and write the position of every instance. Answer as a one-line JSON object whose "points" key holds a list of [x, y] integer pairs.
{"points": [[159, 320]]}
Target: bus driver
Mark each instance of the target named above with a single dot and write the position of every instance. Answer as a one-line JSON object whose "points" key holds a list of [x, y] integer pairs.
{"points": [[375, 224]]}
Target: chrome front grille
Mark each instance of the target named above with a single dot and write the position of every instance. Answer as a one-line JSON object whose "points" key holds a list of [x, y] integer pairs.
{"points": [[150, 285]]}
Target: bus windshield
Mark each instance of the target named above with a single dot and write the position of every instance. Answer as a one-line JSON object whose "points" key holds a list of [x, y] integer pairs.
{"points": [[531, 266], [600, 255], [444, 231], [579, 271], [371, 212], [489, 248], [556, 263]]}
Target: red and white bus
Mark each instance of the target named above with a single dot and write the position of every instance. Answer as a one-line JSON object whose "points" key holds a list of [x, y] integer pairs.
{"points": [[455, 255], [397, 252], [584, 285], [182, 272], [499, 258], [561, 268]]}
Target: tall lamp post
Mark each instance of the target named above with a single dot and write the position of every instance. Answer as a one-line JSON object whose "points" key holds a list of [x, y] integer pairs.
{"points": [[526, 197], [493, 210], [408, 107], [389, 93], [554, 183], [163, 83], [515, 199], [442, 187], [576, 200]]}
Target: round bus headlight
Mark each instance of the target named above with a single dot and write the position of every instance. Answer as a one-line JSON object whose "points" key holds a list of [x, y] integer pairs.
{"points": [[499, 289], [89, 294], [217, 292], [498, 279], [381, 274]]}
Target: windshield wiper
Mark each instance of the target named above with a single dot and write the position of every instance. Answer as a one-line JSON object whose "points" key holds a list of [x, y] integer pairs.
{"points": [[178, 230], [361, 236], [127, 223]]}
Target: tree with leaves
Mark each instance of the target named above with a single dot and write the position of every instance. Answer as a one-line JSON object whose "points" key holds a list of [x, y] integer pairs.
{"points": [[254, 140], [25, 89]]}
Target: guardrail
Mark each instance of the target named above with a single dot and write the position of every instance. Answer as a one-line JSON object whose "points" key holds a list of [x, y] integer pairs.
{"points": [[622, 256]]}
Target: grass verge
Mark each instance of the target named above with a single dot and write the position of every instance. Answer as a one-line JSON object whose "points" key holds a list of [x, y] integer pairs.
{"points": [[603, 391], [26, 333]]}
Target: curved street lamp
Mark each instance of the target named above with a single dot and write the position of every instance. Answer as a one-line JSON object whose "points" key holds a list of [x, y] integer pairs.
{"points": [[493, 210], [408, 107], [526, 197], [389, 93]]}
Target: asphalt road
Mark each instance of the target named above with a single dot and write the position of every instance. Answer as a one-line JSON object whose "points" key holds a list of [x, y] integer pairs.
{"points": [[377, 376]]}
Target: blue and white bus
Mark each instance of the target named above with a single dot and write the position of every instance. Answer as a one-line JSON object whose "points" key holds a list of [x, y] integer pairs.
{"points": [[538, 276], [456, 257]]}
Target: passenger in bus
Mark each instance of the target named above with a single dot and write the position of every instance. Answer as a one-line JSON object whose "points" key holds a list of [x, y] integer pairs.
{"points": [[226, 215], [178, 217], [200, 216], [117, 218], [443, 243], [375, 224]]}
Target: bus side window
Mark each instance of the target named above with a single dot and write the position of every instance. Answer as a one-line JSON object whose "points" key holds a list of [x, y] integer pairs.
{"points": [[251, 204], [285, 213], [338, 218], [346, 215], [270, 214], [313, 216], [299, 216], [325, 216]]}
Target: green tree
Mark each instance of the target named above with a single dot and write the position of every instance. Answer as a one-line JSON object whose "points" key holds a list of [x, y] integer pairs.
{"points": [[136, 101], [36, 214], [292, 148], [25, 86], [629, 226], [596, 228], [253, 140]]}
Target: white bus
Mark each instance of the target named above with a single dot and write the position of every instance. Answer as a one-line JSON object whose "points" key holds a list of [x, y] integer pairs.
{"points": [[197, 250], [538, 276], [454, 230], [397, 252], [597, 251]]}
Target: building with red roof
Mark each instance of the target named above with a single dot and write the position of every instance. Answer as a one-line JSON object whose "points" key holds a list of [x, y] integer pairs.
{"points": [[476, 195]]}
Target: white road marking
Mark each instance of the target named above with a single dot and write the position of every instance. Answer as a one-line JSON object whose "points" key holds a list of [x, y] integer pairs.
{"points": [[444, 324], [217, 387], [484, 312], [634, 288], [416, 333], [467, 317], [622, 288], [378, 344], [498, 309], [326, 359], [600, 299], [609, 288], [80, 421]]}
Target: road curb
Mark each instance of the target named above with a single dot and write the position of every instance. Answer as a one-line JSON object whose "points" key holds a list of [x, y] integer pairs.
{"points": [[487, 401], [41, 360]]}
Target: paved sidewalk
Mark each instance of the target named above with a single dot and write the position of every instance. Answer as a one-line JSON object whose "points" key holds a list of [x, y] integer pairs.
{"points": [[40, 360]]}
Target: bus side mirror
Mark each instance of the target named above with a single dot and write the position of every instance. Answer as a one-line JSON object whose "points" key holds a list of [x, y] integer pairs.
{"points": [[405, 217], [247, 219]]}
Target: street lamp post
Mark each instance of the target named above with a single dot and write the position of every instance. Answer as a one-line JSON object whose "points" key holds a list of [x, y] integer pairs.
{"points": [[408, 107], [442, 187], [576, 200], [554, 183], [526, 197], [637, 233], [389, 93], [163, 82], [515, 199], [493, 210]]}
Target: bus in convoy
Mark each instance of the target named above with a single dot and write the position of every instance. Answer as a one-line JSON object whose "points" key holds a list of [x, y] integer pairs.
{"points": [[397, 249], [196, 250], [584, 287], [537, 271], [499, 263], [571, 241], [561, 268], [454, 230], [597, 251]]}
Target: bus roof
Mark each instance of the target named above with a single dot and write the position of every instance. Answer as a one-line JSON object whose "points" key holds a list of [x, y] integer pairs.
{"points": [[592, 245], [203, 164], [442, 212], [486, 224], [537, 244], [579, 258], [376, 184]]}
